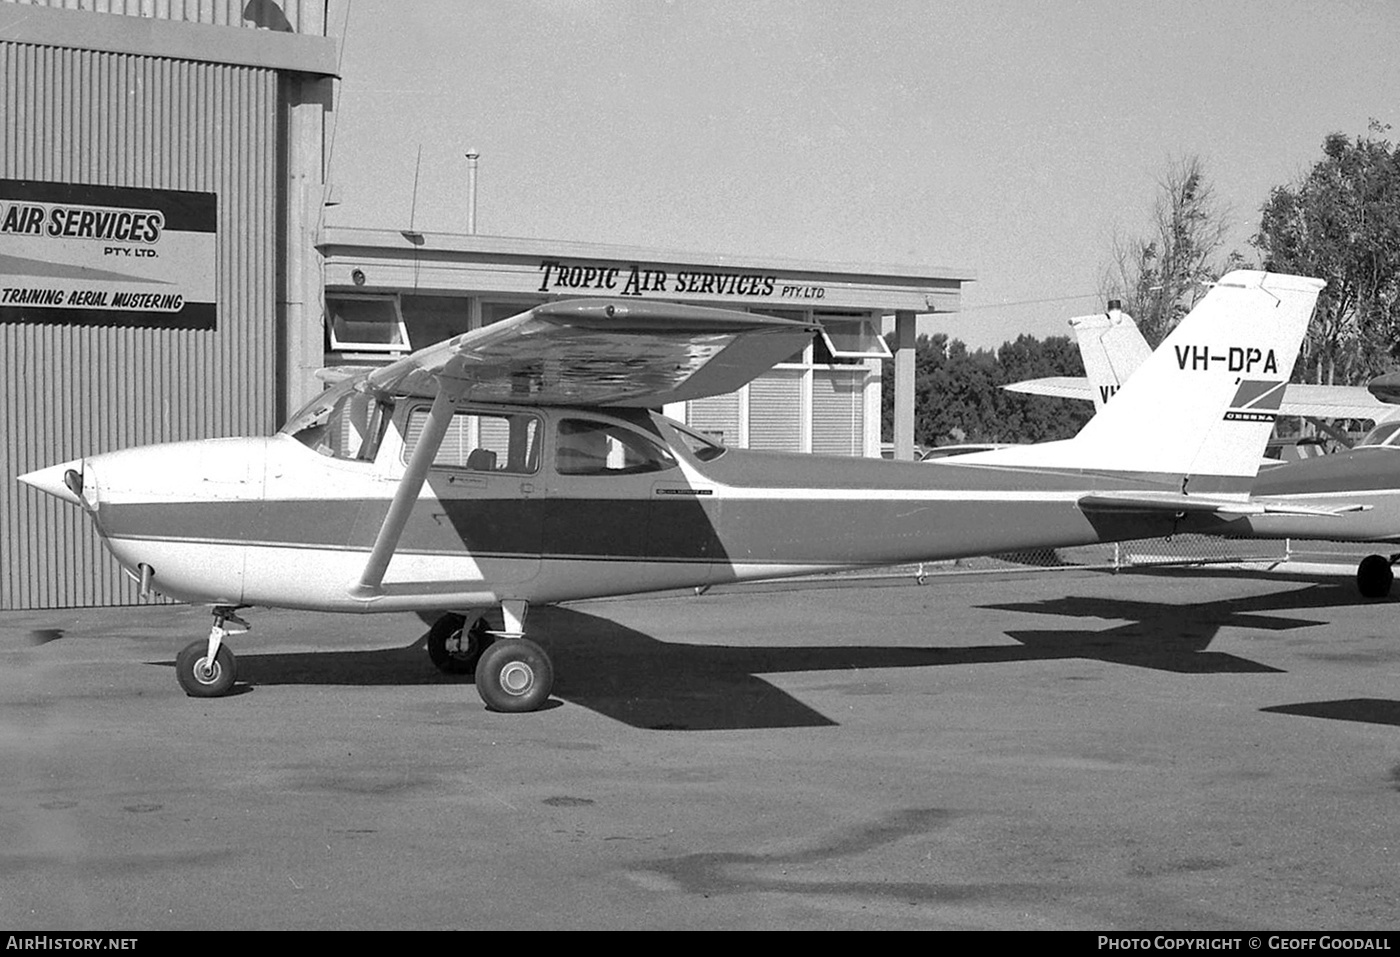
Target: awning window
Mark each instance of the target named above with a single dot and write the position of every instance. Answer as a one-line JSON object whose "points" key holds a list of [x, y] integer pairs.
{"points": [[366, 324], [852, 337]]}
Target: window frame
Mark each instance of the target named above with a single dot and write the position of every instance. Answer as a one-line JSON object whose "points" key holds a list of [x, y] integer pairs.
{"points": [[879, 350], [406, 448], [653, 440], [352, 345]]}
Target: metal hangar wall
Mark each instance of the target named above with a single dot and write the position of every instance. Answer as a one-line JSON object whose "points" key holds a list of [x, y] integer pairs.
{"points": [[143, 237]]}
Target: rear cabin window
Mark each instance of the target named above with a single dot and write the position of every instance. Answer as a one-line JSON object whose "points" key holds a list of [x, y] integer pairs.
{"points": [[481, 441], [585, 447], [704, 449]]}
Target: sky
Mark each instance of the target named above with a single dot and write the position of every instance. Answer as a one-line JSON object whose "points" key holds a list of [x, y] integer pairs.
{"points": [[1010, 139]]}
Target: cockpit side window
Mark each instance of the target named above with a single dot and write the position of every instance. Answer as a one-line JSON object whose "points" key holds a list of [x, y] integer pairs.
{"points": [[587, 447], [481, 441]]}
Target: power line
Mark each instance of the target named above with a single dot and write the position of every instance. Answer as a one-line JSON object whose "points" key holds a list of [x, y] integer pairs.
{"points": [[1031, 302]]}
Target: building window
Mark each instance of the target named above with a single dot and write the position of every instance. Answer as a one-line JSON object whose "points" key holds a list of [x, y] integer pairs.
{"points": [[366, 324], [851, 335], [495, 311], [433, 319]]}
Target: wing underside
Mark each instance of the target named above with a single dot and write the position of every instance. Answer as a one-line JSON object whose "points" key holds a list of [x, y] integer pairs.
{"points": [[600, 352]]}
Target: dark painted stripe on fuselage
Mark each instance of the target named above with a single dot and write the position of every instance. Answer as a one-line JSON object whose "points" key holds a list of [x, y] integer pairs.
{"points": [[704, 530], [902, 518]]}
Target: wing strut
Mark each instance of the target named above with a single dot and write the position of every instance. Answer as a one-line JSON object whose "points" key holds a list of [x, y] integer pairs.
{"points": [[439, 418]]}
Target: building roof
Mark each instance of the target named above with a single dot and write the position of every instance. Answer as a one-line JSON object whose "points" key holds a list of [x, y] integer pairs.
{"points": [[394, 259]]}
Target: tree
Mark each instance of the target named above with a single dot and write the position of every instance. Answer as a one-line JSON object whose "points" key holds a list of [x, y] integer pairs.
{"points": [[1341, 223], [1159, 277], [1030, 418], [958, 395]]}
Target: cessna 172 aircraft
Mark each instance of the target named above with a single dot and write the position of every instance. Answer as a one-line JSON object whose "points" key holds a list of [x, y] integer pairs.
{"points": [[521, 464], [1113, 348]]}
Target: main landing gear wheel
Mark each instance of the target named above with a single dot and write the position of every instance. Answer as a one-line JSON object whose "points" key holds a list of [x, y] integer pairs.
{"points": [[514, 675], [1374, 577], [455, 648], [202, 678]]}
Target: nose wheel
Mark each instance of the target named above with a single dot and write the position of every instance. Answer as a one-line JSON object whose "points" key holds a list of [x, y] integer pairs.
{"points": [[206, 669]]}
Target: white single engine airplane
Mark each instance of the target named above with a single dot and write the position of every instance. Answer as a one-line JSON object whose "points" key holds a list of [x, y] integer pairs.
{"points": [[521, 464], [1113, 348]]}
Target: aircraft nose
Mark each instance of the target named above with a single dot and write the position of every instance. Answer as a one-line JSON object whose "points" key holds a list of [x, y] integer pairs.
{"points": [[64, 480]]}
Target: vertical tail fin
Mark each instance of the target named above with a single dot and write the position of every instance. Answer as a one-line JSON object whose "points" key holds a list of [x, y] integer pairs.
{"points": [[1112, 349], [1202, 406]]}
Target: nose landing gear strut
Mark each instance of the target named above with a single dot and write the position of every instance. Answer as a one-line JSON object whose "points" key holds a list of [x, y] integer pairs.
{"points": [[206, 669]]}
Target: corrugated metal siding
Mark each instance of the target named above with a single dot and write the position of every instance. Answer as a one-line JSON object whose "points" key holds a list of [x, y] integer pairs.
{"points": [[838, 412], [297, 16], [775, 411], [117, 120]]}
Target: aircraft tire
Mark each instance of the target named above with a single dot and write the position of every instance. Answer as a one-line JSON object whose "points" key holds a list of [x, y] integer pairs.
{"points": [[1374, 577], [200, 681], [452, 649], [514, 676]]}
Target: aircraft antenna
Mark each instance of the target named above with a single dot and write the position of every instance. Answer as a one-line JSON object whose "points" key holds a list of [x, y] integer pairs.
{"points": [[413, 207]]}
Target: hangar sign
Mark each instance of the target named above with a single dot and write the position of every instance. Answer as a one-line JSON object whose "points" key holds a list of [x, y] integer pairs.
{"points": [[629, 279], [73, 253]]}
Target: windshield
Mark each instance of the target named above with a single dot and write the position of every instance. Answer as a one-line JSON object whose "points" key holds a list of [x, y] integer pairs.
{"points": [[1383, 434], [342, 423]]}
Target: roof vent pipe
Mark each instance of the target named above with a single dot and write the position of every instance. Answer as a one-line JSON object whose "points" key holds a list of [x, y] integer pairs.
{"points": [[472, 156]]}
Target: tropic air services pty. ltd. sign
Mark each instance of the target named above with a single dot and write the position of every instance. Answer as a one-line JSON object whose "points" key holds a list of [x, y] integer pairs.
{"points": [[76, 253]]}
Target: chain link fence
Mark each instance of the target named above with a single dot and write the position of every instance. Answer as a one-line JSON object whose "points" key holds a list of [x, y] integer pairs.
{"points": [[1187, 550]]}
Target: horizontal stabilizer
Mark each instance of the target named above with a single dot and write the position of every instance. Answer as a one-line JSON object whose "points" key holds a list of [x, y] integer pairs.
{"points": [[1312, 401], [1055, 387], [1207, 504]]}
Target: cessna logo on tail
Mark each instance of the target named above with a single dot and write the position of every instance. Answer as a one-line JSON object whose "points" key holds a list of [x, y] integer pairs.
{"points": [[1237, 359], [1255, 400]]}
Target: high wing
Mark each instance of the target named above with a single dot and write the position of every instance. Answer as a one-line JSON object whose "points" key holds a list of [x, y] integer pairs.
{"points": [[1333, 402], [577, 352], [600, 352]]}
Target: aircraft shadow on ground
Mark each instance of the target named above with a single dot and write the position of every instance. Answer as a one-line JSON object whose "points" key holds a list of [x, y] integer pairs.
{"points": [[1171, 636], [647, 683], [1364, 710]]}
